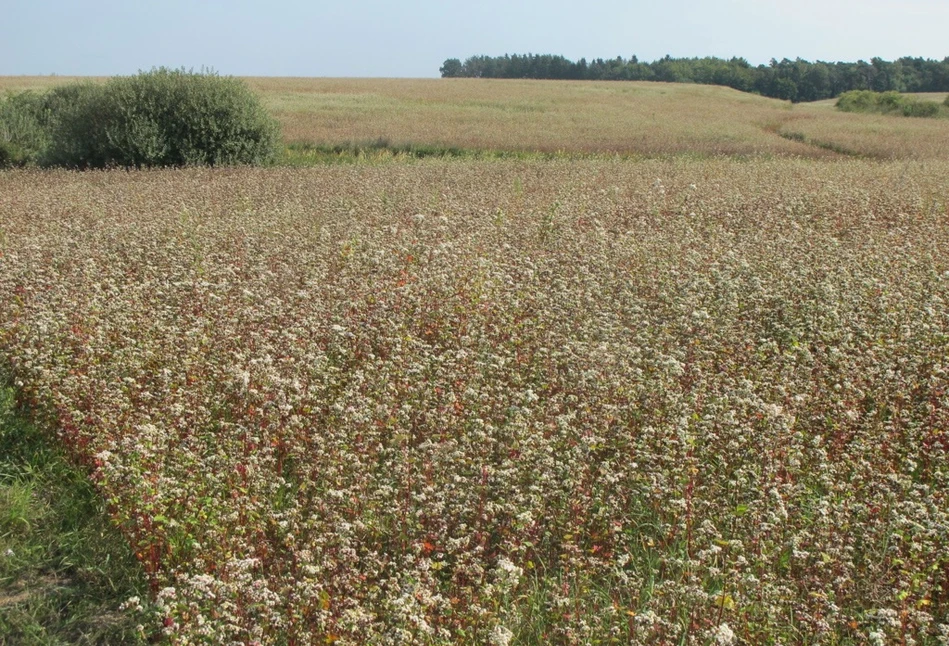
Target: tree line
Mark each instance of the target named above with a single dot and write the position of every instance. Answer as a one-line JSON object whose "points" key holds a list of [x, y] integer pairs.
{"points": [[797, 80]]}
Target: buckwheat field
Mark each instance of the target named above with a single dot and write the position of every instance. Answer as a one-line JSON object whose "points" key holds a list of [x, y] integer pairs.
{"points": [[502, 402]]}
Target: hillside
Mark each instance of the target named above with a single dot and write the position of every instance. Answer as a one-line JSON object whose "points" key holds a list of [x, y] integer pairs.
{"points": [[585, 117]]}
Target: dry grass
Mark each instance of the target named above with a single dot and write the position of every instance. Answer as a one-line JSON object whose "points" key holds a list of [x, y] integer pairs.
{"points": [[938, 97], [631, 118], [40, 83], [874, 136], [575, 117]]}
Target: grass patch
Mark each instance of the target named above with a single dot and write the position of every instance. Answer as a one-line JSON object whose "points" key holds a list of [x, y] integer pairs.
{"points": [[890, 103], [382, 150], [544, 116], [64, 569], [825, 145]]}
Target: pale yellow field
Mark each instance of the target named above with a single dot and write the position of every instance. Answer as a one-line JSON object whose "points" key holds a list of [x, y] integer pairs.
{"points": [[576, 117], [547, 116], [38, 83], [876, 136]]}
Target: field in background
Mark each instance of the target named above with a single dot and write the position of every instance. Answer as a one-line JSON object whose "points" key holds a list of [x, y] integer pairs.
{"points": [[937, 97], [870, 136], [586, 117], [628, 118], [41, 83], [549, 116]]}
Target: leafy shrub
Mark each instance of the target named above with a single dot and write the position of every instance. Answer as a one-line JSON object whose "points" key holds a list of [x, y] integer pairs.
{"points": [[23, 132], [77, 127], [916, 108], [160, 118], [857, 101], [886, 103], [890, 101]]}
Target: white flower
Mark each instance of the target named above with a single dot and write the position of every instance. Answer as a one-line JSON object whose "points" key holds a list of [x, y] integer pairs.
{"points": [[509, 573], [723, 635], [501, 636]]}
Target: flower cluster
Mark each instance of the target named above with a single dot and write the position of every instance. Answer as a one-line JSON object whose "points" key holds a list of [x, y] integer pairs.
{"points": [[509, 402]]}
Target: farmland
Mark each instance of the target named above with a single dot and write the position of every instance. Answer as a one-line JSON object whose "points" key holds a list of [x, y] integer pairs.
{"points": [[575, 118], [686, 383]]}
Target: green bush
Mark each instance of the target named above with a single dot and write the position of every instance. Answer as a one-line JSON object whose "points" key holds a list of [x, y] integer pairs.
{"points": [[23, 128], [159, 118], [857, 101], [77, 123], [886, 103], [891, 102], [915, 108]]}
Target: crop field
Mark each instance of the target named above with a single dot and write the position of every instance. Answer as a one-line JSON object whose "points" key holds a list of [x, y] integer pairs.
{"points": [[632, 363], [627, 118], [574, 118], [551, 116], [871, 136], [593, 401]]}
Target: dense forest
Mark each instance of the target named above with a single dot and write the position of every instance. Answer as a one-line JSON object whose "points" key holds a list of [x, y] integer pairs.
{"points": [[796, 80]]}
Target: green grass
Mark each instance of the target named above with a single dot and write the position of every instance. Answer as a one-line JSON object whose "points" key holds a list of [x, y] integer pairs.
{"points": [[64, 569], [382, 150], [892, 103]]}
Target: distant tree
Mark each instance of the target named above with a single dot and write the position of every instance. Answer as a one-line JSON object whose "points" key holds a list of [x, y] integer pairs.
{"points": [[581, 68], [785, 88], [864, 76], [885, 76], [814, 83], [451, 68], [794, 80]]}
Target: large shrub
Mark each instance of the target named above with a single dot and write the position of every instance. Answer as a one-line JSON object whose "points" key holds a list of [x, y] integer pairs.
{"points": [[915, 108], [858, 101], [886, 103], [77, 124], [23, 128], [159, 118]]}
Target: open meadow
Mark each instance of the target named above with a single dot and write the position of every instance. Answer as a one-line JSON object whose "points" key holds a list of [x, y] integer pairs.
{"points": [[685, 383], [572, 118]]}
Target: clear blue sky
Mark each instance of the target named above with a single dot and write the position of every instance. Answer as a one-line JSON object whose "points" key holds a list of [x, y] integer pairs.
{"points": [[412, 38]]}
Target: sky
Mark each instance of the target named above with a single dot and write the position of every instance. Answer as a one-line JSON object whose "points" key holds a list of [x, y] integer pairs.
{"points": [[378, 38]]}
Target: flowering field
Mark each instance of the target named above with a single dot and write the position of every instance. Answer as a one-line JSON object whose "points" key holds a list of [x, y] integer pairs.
{"points": [[502, 402]]}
